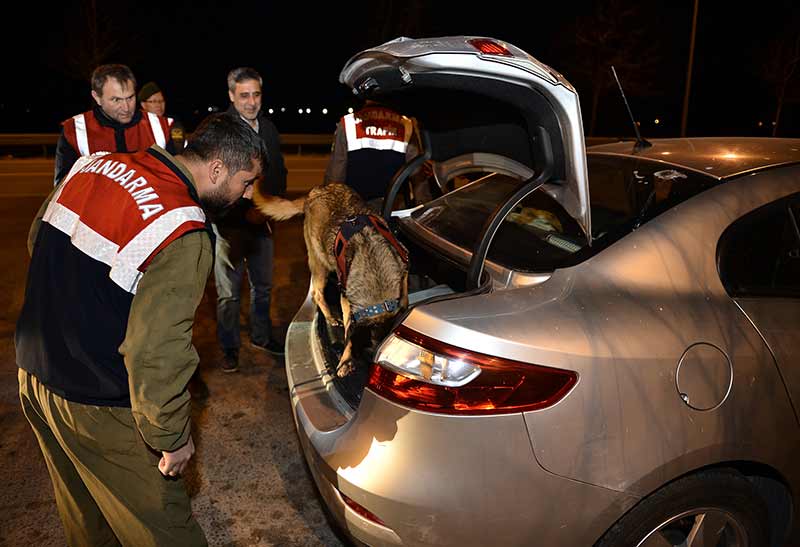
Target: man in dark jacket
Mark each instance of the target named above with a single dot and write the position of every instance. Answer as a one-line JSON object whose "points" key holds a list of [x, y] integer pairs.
{"points": [[113, 125], [244, 237]]}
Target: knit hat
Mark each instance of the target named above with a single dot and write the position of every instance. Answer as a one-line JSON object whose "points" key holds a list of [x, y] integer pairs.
{"points": [[148, 90]]}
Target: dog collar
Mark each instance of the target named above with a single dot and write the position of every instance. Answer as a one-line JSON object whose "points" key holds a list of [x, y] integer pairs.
{"points": [[376, 309]]}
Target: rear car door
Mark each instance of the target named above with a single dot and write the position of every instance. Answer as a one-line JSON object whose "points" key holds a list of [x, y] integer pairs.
{"points": [[759, 262]]}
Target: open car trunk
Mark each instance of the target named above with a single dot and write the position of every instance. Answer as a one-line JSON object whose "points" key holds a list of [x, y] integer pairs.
{"points": [[502, 138], [431, 277]]}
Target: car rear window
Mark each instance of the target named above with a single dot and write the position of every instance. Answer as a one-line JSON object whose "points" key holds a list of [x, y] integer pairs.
{"points": [[537, 235], [627, 192]]}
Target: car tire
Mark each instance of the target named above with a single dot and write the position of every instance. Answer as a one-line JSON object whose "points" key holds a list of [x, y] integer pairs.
{"points": [[717, 502]]}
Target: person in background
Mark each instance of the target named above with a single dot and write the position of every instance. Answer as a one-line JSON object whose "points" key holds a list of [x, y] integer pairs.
{"points": [[120, 254], [369, 146], [244, 237], [115, 124], [151, 99]]}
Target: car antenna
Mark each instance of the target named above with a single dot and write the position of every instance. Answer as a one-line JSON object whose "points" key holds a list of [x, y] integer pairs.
{"points": [[641, 143]]}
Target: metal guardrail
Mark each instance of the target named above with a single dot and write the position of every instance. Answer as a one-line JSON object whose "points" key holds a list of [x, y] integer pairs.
{"points": [[49, 140], [28, 139]]}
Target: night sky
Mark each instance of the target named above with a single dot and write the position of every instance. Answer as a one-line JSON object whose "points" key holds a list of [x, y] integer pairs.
{"points": [[300, 47]]}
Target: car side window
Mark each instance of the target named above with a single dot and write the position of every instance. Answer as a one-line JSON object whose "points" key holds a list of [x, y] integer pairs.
{"points": [[759, 254], [626, 193]]}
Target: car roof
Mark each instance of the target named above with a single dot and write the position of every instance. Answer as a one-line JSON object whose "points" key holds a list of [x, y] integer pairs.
{"points": [[719, 157]]}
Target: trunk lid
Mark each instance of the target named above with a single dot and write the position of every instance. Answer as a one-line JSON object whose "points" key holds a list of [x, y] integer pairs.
{"points": [[480, 95]]}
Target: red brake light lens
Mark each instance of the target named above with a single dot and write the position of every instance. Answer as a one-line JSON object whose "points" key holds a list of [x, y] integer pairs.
{"points": [[489, 47], [412, 370], [359, 509]]}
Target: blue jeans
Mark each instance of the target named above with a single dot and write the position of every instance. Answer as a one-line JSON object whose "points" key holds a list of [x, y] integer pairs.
{"points": [[236, 249]]}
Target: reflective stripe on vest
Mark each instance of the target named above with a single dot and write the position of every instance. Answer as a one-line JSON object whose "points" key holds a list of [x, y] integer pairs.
{"points": [[124, 262], [158, 131], [127, 253], [354, 142], [80, 134]]}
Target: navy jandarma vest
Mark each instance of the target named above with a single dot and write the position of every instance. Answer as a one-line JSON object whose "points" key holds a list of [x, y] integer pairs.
{"points": [[377, 140], [108, 219]]}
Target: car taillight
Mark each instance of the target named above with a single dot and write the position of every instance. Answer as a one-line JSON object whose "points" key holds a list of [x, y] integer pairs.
{"points": [[361, 510], [417, 371], [489, 47]]}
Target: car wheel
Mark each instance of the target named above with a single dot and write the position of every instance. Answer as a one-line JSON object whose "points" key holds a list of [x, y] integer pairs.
{"points": [[708, 509]]}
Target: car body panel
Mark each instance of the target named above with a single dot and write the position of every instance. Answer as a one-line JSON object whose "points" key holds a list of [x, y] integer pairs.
{"points": [[407, 468], [454, 56], [778, 322], [645, 322], [308, 381], [623, 320]]}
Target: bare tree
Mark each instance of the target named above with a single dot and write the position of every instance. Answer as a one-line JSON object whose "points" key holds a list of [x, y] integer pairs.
{"points": [[782, 55], [397, 19], [91, 42], [615, 34]]}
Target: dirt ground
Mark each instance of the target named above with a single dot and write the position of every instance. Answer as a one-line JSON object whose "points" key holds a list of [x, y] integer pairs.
{"points": [[248, 481]]}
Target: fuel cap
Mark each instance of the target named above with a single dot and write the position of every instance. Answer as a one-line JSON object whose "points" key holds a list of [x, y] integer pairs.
{"points": [[704, 376]]}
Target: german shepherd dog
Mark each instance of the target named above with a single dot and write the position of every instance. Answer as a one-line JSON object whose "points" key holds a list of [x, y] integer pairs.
{"points": [[375, 285]]}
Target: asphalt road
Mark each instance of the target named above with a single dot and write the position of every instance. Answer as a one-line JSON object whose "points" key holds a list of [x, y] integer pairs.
{"points": [[248, 481]]}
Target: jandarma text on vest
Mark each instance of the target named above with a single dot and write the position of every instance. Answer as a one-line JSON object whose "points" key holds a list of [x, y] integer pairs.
{"points": [[138, 187], [379, 114]]}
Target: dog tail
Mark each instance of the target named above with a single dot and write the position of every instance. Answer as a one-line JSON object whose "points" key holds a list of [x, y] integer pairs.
{"points": [[277, 208]]}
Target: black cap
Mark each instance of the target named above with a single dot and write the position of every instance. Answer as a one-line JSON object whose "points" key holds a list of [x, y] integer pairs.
{"points": [[148, 90]]}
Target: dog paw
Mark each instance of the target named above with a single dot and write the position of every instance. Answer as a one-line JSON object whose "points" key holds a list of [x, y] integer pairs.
{"points": [[344, 369]]}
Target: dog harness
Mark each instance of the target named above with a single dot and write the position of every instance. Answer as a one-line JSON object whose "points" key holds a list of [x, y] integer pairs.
{"points": [[347, 230]]}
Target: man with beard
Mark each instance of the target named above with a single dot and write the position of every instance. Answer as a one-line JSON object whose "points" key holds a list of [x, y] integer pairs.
{"points": [[244, 237], [120, 254], [113, 125]]}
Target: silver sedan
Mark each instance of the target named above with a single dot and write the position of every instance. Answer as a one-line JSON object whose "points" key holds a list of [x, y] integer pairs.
{"points": [[600, 346]]}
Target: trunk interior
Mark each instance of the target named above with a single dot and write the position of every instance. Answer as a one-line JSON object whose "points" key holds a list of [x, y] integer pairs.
{"points": [[432, 277], [457, 115]]}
